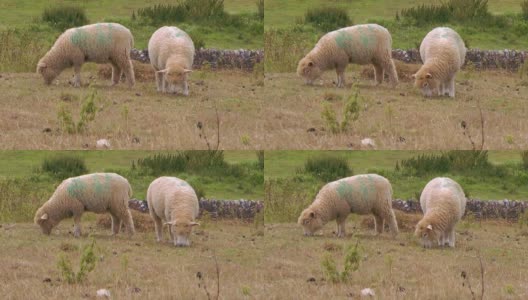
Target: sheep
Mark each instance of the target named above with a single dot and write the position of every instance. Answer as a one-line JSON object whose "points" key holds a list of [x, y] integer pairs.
{"points": [[360, 194], [443, 203], [171, 53], [97, 192], [360, 44], [99, 43], [174, 202], [443, 54]]}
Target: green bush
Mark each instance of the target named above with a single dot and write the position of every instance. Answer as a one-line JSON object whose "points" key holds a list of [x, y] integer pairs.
{"points": [[461, 11], [524, 158], [21, 49], [350, 114], [327, 18], [524, 8], [63, 17], [351, 264], [64, 166], [86, 115], [19, 199], [187, 10], [327, 168], [86, 265]]}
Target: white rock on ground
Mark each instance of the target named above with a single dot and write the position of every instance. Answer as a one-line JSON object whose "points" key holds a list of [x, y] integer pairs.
{"points": [[103, 293], [368, 142], [368, 292], [102, 144]]}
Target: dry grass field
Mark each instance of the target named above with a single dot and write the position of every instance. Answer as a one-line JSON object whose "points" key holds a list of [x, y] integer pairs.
{"points": [[400, 268], [137, 268], [139, 118], [398, 118]]}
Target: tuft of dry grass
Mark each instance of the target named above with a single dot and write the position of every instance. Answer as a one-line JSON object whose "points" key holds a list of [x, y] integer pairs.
{"points": [[142, 222], [400, 118], [142, 72], [406, 222], [404, 70], [140, 118]]}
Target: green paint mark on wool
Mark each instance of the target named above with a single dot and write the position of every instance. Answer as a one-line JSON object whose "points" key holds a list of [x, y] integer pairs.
{"points": [[345, 190], [80, 37], [102, 187], [343, 38], [103, 37], [76, 188]]}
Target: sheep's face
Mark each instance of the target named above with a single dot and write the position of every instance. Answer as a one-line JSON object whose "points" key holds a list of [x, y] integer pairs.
{"points": [[310, 221], [427, 83], [49, 74], [181, 230], [308, 70], [175, 77], [426, 232], [45, 223]]}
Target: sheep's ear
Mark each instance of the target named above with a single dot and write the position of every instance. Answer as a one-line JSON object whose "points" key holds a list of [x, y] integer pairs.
{"points": [[413, 76], [428, 75], [44, 217], [430, 227], [312, 215], [162, 71], [194, 224], [185, 71], [42, 65], [310, 64]]}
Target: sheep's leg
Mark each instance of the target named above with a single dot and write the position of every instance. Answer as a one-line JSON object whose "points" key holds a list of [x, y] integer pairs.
{"points": [[77, 76], [77, 226], [116, 74], [341, 222], [340, 77], [393, 224], [451, 87], [158, 226], [451, 239], [128, 69], [159, 78], [129, 222], [390, 68], [185, 86], [163, 83], [378, 74], [171, 234], [116, 224], [378, 224]]}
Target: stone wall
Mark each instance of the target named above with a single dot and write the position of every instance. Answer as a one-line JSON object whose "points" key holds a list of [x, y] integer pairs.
{"points": [[240, 209], [485, 209], [509, 60], [216, 59]]}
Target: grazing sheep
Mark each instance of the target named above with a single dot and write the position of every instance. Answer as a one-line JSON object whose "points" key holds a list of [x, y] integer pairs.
{"points": [[360, 194], [443, 53], [360, 44], [443, 204], [99, 43], [98, 193], [171, 53], [174, 202]]}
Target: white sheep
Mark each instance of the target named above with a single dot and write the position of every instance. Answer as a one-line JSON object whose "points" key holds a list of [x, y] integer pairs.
{"points": [[98, 193], [99, 43], [174, 202], [171, 53], [443, 203], [360, 44], [360, 194], [443, 54]]}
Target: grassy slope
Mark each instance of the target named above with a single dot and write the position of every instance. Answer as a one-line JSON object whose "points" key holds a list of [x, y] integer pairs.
{"points": [[283, 164], [14, 13], [279, 13]]}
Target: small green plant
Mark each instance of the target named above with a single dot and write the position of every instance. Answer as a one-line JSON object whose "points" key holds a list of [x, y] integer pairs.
{"points": [[509, 289], [524, 8], [327, 18], [327, 168], [246, 291], [245, 140], [86, 115], [86, 265], [524, 159], [260, 9], [63, 17], [350, 114], [260, 159], [64, 166], [351, 264], [124, 113]]}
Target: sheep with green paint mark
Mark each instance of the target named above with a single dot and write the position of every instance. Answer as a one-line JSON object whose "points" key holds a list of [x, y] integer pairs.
{"points": [[173, 202], [360, 44], [171, 53], [443, 53], [443, 203], [98, 193], [360, 194], [99, 43]]}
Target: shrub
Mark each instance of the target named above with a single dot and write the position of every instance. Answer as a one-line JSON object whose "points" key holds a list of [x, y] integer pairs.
{"points": [[260, 159], [327, 18], [19, 199], [350, 114], [63, 17], [453, 10], [524, 8], [327, 168], [86, 265], [64, 166], [260, 9], [86, 115], [21, 49], [284, 48], [196, 10], [524, 158], [351, 264]]}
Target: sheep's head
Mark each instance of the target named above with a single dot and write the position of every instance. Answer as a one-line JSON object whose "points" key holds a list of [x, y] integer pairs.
{"points": [[48, 73], [181, 230], [310, 221], [175, 76], [44, 221], [427, 82], [308, 70], [426, 232]]}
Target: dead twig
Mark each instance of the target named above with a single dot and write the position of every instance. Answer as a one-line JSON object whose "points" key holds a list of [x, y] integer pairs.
{"points": [[202, 283]]}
